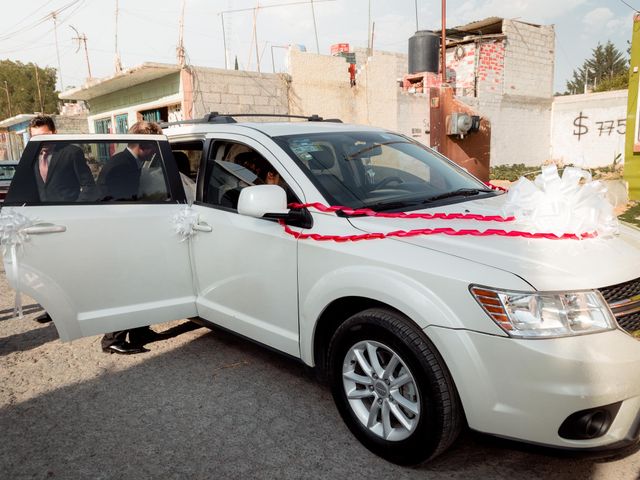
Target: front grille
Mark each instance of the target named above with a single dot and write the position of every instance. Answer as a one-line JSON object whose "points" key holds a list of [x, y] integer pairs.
{"points": [[622, 291], [630, 323], [624, 300]]}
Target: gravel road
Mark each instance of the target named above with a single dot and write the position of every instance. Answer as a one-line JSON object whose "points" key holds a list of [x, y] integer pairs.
{"points": [[205, 404]]}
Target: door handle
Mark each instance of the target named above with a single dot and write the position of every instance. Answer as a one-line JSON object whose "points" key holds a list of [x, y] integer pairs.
{"points": [[42, 228], [202, 227]]}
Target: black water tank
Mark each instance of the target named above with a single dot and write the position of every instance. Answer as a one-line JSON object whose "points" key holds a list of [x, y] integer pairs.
{"points": [[424, 52]]}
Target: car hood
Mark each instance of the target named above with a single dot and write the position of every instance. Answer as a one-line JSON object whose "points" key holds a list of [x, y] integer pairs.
{"points": [[544, 264]]}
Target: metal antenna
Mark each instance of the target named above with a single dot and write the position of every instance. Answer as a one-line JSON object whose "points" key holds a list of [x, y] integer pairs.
{"points": [[82, 39]]}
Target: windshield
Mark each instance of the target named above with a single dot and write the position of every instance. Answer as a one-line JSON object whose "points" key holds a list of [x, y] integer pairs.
{"points": [[379, 170], [6, 172]]}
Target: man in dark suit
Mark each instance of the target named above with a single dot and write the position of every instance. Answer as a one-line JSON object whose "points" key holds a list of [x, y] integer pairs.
{"points": [[120, 177], [119, 180], [62, 173]]}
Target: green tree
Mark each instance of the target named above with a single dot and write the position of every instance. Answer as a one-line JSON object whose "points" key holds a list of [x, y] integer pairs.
{"points": [[607, 69], [22, 89]]}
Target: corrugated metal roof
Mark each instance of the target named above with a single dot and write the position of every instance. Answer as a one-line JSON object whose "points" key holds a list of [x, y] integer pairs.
{"points": [[488, 26]]}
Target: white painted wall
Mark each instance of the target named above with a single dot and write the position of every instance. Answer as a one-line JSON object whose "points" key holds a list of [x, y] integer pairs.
{"points": [[588, 130]]}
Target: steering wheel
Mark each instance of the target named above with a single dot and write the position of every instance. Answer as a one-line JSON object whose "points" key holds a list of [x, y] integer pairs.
{"points": [[385, 181]]}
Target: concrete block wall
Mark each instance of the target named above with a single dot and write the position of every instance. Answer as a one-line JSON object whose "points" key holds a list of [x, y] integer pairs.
{"points": [[520, 128], [320, 85], [589, 130], [239, 91], [71, 124], [528, 59]]}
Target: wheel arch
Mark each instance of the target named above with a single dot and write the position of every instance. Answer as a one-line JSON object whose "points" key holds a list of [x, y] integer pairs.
{"points": [[334, 315], [342, 293]]}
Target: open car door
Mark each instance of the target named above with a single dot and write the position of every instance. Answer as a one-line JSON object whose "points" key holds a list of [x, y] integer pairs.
{"points": [[93, 233]]}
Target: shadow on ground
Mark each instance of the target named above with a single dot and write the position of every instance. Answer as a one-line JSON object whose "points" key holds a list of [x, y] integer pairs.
{"points": [[221, 407]]}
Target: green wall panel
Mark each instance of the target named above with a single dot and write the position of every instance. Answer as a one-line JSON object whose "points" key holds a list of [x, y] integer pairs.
{"points": [[631, 159], [142, 93]]}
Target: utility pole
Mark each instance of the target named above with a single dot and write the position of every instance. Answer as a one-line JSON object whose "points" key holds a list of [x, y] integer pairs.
{"points": [[54, 16], [416, 3], [443, 43], [254, 28], [273, 63], [39, 91], [255, 34], [6, 89], [315, 28], [224, 42], [82, 39], [180, 49], [118, 63], [369, 31]]}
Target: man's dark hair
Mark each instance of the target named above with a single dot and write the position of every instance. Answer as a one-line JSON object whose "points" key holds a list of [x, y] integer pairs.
{"points": [[42, 121]]}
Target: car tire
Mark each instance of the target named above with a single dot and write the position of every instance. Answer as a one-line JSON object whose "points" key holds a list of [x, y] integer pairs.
{"points": [[392, 388]]}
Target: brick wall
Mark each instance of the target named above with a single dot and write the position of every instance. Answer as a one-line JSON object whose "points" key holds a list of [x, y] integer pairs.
{"points": [[491, 67], [461, 68], [238, 91]]}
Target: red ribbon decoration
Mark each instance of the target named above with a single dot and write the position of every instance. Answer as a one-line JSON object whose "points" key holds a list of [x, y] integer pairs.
{"points": [[422, 231]]}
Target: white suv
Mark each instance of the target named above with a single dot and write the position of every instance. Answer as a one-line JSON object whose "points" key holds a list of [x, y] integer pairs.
{"points": [[421, 324]]}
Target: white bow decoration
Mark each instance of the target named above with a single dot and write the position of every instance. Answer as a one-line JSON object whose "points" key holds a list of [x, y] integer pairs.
{"points": [[12, 237], [571, 204], [183, 222]]}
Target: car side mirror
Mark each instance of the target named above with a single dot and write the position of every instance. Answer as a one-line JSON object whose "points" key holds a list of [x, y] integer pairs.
{"points": [[258, 200], [270, 201]]}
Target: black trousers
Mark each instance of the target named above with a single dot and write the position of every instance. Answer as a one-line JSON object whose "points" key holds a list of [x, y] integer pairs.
{"points": [[136, 336]]}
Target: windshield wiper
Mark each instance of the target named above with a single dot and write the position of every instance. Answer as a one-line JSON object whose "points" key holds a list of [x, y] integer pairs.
{"points": [[397, 204], [461, 192], [393, 205]]}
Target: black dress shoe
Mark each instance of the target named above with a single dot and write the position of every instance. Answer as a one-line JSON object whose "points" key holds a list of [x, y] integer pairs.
{"points": [[44, 318], [124, 349]]}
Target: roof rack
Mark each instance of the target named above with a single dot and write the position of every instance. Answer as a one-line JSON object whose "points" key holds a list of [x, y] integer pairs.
{"points": [[215, 117]]}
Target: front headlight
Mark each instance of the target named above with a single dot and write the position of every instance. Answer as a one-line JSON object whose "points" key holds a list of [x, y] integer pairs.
{"points": [[545, 314]]}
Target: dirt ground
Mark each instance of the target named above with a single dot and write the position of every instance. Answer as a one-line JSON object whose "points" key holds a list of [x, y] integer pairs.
{"points": [[204, 404]]}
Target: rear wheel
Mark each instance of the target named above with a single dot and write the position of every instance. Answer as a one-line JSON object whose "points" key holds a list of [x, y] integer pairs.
{"points": [[392, 388]]}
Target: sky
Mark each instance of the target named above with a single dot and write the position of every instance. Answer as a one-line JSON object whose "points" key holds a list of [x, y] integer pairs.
{"points": [[148, 30]]}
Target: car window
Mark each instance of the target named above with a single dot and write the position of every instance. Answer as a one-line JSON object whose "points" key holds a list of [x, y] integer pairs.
{"points": [[98, 171], [188, 156], [371, 169], [232, 166]]}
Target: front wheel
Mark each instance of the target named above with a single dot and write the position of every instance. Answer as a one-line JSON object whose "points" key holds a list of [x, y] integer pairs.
{"points": [[392, 388]]}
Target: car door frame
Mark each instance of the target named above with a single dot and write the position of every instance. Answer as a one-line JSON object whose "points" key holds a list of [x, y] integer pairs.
{"points": [[54, 291]]}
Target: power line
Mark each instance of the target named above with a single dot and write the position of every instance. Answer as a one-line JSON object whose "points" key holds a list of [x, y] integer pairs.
{"points": [[622, 1]]}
